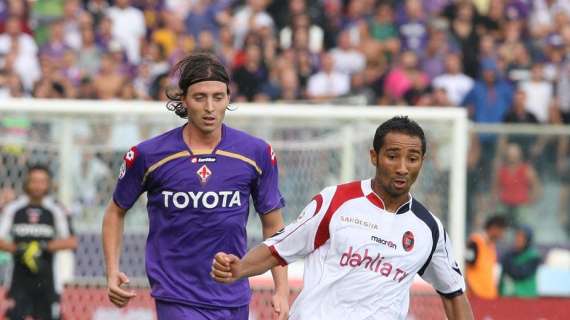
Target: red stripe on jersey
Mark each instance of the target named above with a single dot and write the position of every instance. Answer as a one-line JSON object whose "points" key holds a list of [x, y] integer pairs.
{"points": [[372, 197], [277, 256], [343, 193], [319, 199]]}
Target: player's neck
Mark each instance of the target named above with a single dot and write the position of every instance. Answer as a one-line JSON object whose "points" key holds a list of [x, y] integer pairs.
{"points": [[197, 139], [35, 201], [391, 203]]}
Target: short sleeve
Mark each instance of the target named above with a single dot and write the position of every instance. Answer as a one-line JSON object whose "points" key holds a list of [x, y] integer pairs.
{"points": [[6, 222], [265, 192], [443, 271], [298, 238], [62, 223], [130, 184]]}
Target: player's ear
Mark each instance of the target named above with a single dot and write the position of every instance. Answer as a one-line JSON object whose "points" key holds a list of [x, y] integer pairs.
{"points": [[373, 157]]}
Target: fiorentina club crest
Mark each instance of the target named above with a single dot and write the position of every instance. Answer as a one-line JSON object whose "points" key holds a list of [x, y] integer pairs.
{"points": [[204, 173], [33, 215], [408, 241]]}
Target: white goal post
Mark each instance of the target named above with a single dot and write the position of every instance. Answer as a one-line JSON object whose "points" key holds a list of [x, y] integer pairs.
{"points": [[346, 131]]}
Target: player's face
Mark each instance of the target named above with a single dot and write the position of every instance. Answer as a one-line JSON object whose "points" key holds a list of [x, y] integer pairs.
{"points": [[37, 184], [398, 164], [206, 103]]}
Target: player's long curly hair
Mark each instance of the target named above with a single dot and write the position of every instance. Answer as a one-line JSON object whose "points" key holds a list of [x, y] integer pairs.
{"points": [[194, 68]]}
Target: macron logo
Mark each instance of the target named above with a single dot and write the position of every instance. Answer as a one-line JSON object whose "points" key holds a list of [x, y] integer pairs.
{"points": [[386, 243], [376, 264]]}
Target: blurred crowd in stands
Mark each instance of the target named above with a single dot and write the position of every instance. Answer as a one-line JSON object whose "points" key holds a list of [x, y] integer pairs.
{"points": [[412, 52]]}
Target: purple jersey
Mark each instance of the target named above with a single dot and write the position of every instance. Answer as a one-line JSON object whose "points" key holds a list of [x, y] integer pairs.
{"points": [[198, 205]]}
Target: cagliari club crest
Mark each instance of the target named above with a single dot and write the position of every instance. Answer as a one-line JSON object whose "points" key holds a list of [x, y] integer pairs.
{"points": [[204, 173], [408, 241]]}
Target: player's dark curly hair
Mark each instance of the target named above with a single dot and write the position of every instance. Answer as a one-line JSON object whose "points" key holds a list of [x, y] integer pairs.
{"points": [[194, 68], [401, 124]]}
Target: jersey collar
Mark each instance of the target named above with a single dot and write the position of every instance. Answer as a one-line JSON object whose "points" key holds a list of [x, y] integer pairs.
{"points": [[375, 199]]}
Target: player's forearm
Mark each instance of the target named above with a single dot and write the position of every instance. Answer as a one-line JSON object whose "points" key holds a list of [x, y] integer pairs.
{"points": [[62, 244], [457, 308], [7, 246], [257, 261], [272, 224], [112, 232]]}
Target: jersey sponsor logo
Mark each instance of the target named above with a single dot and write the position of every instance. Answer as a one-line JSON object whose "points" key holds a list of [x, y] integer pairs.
{"points": [[408, 241], [375, 263], [204, 173], [272, 155], [33, 230], [383, 242], [200, 199], [359, 221], [202, 160], [33, 215]]}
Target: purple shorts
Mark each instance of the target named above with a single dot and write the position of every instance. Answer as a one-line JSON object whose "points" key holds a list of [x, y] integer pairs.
{"points": [[171, 310]]}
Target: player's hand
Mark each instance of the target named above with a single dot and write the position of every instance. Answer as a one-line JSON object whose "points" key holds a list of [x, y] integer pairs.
{"points": [[280, 303], [225, 268], [117, 295]]}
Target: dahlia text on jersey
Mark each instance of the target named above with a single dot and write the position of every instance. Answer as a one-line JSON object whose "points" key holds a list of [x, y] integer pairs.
{"points": [[208, 200], [376, 264]]}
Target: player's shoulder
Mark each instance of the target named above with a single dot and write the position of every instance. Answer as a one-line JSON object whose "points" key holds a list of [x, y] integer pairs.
{"points": [[16, 204], [425, 215], [55, 206], [346, 190], [161, 141], [248, 145], [246, 139]]}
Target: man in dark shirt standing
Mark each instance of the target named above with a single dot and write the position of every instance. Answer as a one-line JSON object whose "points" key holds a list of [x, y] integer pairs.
{"points": [[33, 228]]}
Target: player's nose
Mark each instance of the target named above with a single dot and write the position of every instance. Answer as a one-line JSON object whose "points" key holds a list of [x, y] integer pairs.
{"points": [[209, 106], [402, 168]]}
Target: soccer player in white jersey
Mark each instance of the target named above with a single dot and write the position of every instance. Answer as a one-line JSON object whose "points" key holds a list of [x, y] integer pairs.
{"points": [[364, 241]]}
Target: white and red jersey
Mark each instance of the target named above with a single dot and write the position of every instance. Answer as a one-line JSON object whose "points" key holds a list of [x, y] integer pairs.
{"points": [[360, 260]]}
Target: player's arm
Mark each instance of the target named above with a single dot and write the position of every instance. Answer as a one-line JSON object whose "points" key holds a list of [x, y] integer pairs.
{"points": [[5, 225], [457, 308], [227, 268], [113, 223], [443, 272], [294, 242], [272, 223], [7, 246], [62, 244], [65, 240]]}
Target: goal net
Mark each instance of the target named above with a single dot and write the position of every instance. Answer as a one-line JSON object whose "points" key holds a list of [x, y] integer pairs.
{"points": [[83, 143]]}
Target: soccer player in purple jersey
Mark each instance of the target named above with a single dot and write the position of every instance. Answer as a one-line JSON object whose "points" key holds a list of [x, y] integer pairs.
{"points": [[198, 179]]}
